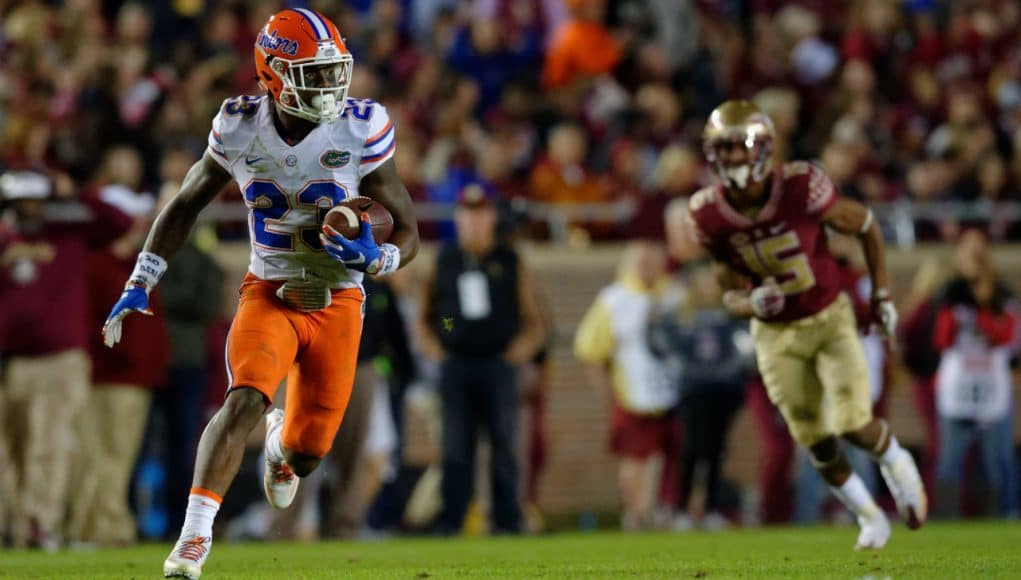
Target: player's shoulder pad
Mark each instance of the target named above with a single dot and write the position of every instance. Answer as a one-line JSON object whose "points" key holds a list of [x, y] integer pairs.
{"points": [[803, 171], [792, 169], [360, 116], [233, 128], [241, 106], [236, 114], [809, 181], [370, 126], [702, 198], [698, 223]]}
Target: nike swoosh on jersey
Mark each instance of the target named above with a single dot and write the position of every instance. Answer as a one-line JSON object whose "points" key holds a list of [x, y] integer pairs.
{"points": [[251, 160]]}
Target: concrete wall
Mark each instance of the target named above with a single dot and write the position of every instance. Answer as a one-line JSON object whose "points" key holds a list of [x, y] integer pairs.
{"points": [[580, 474]]}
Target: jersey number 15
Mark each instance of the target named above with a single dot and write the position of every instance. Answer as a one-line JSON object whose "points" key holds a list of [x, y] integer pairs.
{"points": [[763, 258]]}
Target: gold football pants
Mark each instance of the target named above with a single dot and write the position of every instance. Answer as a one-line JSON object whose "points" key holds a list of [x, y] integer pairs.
{"points": [[815, 372]]}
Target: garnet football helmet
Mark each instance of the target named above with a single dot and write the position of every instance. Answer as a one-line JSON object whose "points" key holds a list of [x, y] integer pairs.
{"points": [[739, 124], [302, 62]]}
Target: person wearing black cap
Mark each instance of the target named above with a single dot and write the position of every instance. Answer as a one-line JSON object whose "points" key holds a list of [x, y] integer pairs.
{"points": [[479, 317]]}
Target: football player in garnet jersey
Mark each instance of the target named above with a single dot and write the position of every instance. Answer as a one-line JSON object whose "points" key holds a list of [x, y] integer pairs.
{"points": [[294, 153], [763, 225]]}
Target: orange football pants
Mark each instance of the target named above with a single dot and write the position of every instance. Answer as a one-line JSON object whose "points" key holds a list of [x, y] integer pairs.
{"points": [[317, 352]]}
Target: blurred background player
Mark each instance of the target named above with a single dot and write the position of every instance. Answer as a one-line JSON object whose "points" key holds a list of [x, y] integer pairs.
{"points": [[295, 153], [612, 339], [764, 227]]}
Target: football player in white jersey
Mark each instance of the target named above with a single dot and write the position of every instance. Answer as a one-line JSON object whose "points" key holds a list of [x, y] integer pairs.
{"points": [[294, 153]]}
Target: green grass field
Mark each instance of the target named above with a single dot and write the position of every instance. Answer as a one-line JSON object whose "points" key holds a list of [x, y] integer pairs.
{"points": [[984, 550]]}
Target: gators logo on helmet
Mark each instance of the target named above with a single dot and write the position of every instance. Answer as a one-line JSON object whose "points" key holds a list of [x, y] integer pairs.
{"points": [[302, 62]]}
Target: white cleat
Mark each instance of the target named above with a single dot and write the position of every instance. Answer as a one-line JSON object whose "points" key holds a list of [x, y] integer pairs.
{"points": [[278, 481], [187, 557], [715, 522], [683, 523], [875, 532], [906, 487]]}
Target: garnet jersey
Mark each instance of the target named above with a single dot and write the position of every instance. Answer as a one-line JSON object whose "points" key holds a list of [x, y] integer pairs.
{"points": [[289, 188], [785, 240]]}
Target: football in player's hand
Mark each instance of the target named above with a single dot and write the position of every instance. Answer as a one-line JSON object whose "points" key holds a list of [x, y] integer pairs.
{"points": [[767, 300], [345, 218]]}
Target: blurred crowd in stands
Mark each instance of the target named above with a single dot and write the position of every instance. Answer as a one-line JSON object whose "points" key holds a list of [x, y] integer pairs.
{"points": [[556, 101], [552, 102]]}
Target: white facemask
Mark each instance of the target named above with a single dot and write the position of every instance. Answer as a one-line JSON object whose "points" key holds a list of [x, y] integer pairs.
{"points": [[739, 175]]}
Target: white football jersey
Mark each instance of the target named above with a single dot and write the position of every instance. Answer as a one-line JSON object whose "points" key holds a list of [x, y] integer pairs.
{"points": [[288, 189]]}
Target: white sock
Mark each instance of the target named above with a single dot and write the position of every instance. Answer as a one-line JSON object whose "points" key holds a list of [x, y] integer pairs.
{"points": [[198, 518], [274, 445], [893, 451], [856, 497]]}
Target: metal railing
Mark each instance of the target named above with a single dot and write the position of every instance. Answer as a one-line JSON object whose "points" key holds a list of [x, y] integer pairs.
{"points": [[899, 219]]}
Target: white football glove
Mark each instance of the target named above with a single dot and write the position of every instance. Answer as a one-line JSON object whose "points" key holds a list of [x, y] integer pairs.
{"points": [[767, 300], [884, 314]]}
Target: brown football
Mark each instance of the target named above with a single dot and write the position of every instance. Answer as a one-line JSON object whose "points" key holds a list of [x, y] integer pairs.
{"points": [[345, 218]]}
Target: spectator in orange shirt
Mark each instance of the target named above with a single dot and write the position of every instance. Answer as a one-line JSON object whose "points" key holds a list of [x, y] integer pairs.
{"points": [[581, 47], [562, 178]]}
